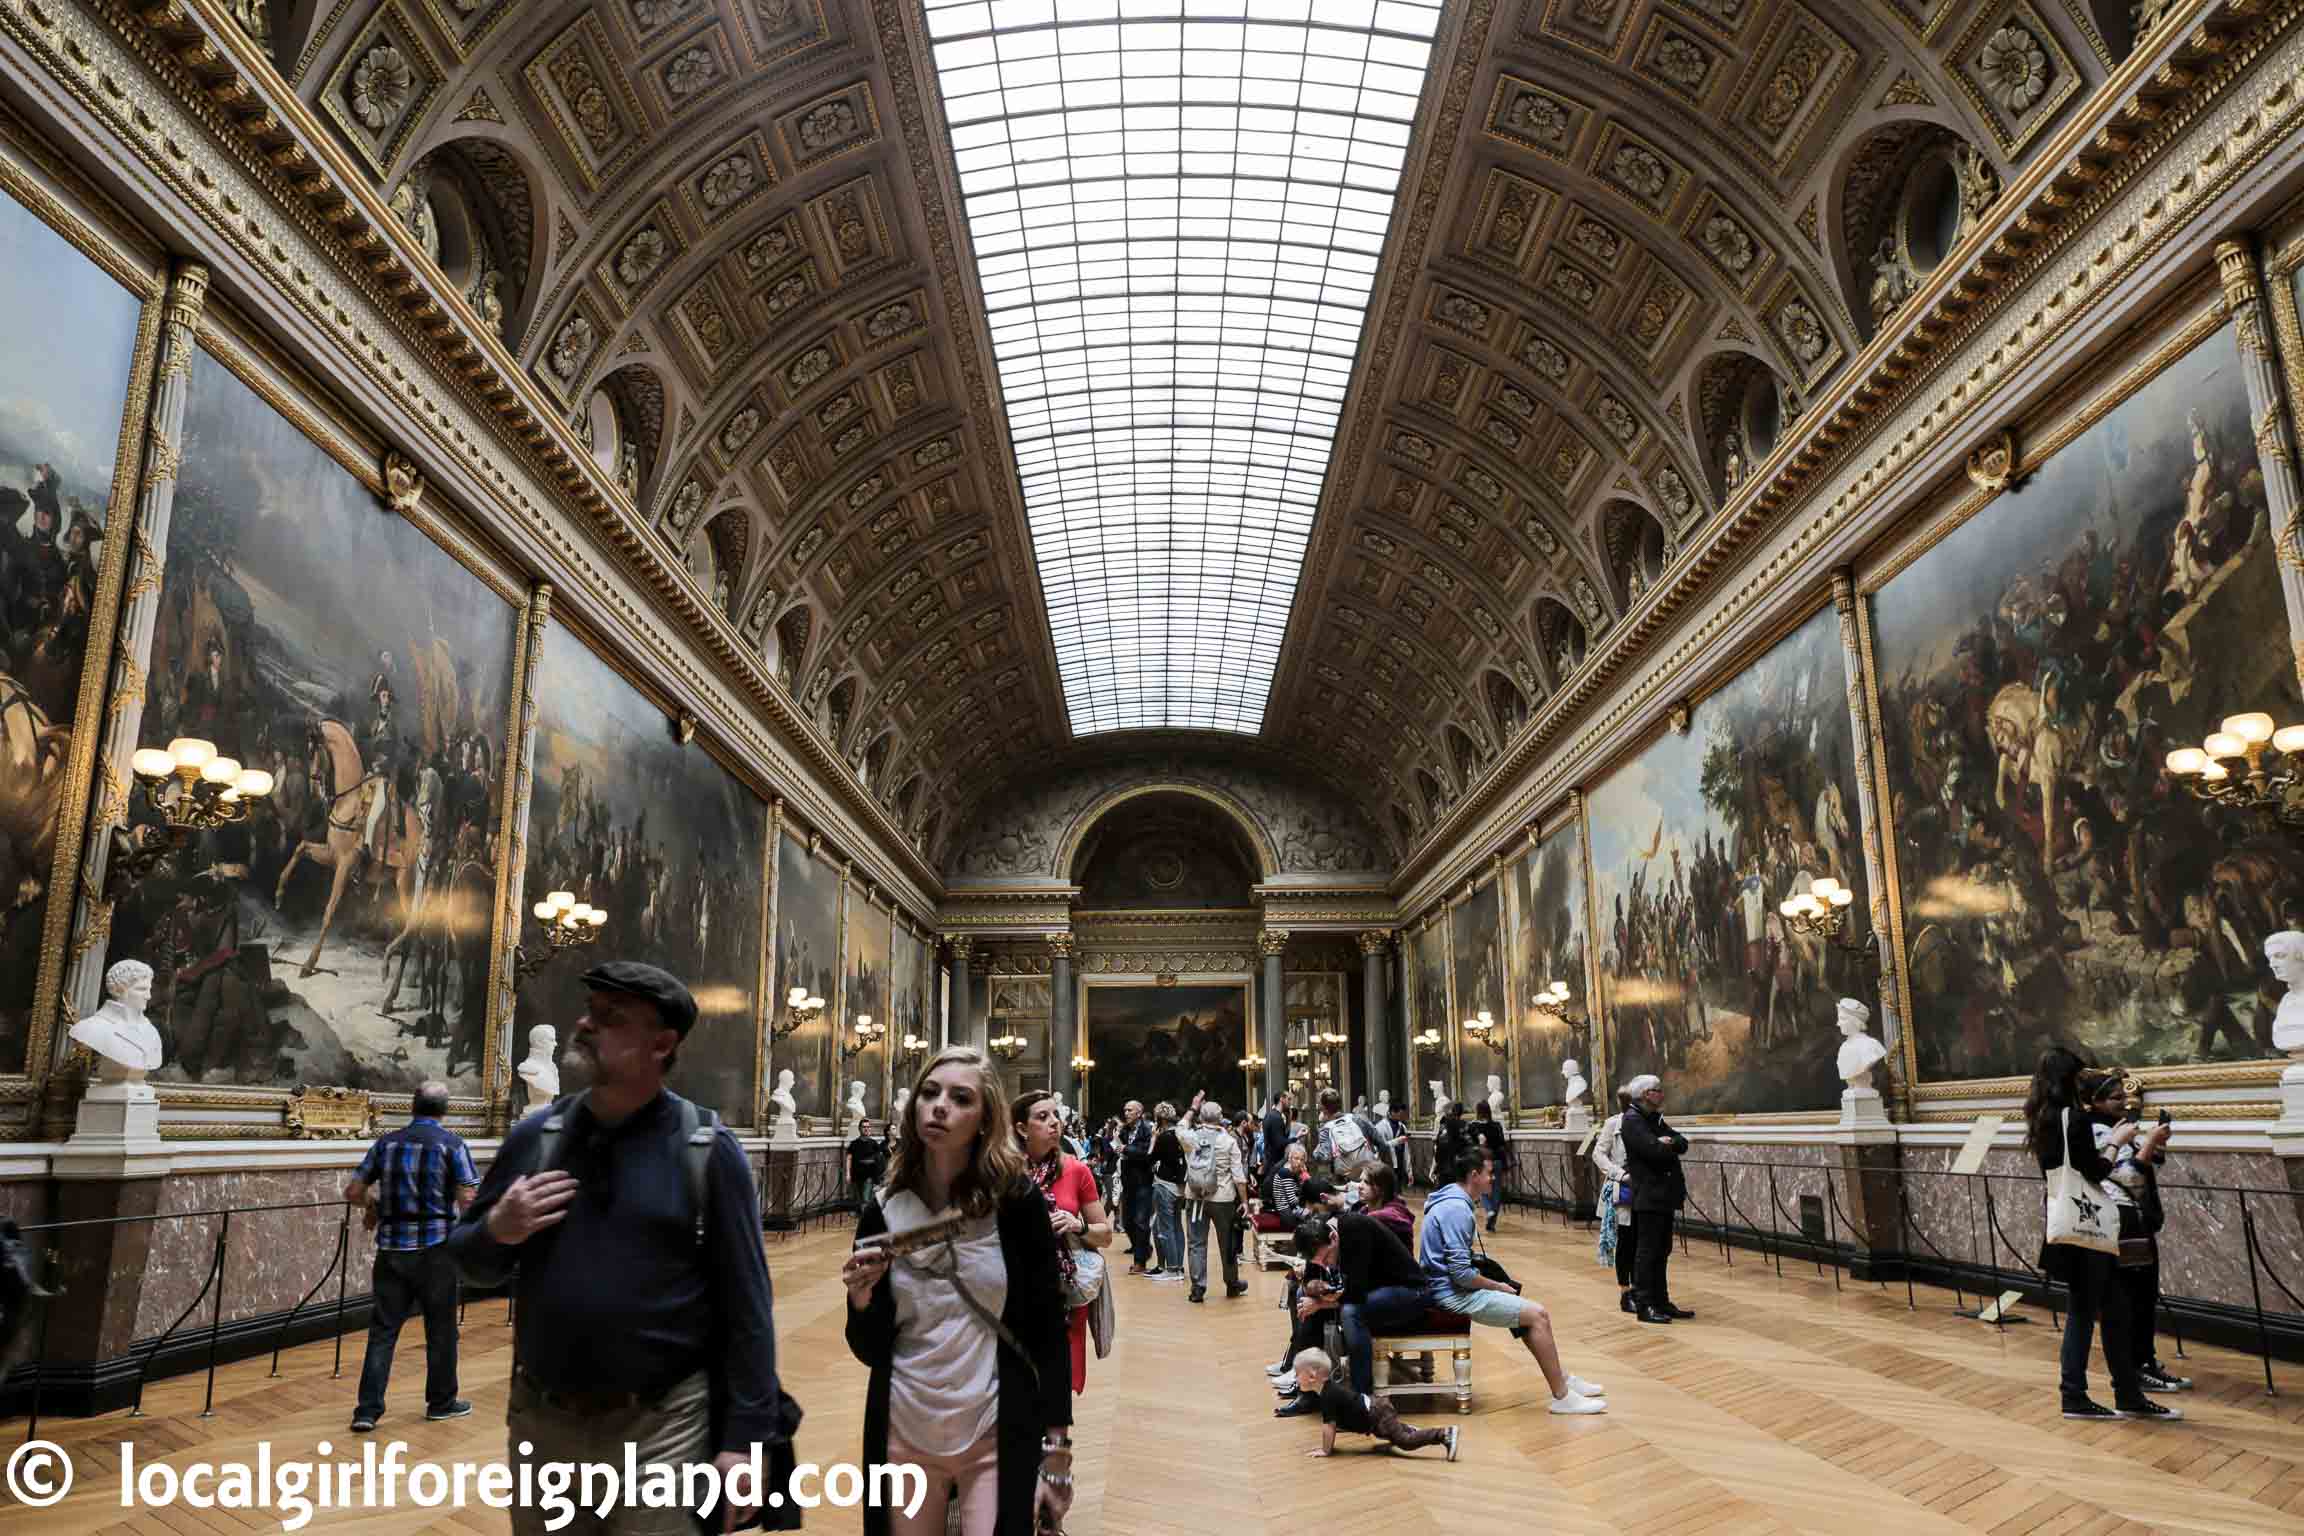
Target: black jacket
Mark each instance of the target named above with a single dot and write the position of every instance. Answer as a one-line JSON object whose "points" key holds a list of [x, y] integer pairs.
{"points": [[1371, 1254], [1652, 1151], [1034, 1314]]}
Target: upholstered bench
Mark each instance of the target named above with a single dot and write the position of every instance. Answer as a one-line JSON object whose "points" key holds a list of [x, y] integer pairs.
{"points": [[1275, 1241], [1423, 1341]]}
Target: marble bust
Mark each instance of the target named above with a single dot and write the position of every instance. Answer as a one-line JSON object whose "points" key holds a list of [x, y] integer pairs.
{"points": [[540, 1072], [787, 1126], [1383, 1109], [1573, 1072], [1439, 1099], [124, 1042], [1495, 1090], [2284, 951], [1859, 1052], [896, 1114], [854, 1108]]}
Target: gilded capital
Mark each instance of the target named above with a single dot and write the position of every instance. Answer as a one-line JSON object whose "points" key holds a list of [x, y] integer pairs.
{"points": [[2236, 265], [1844, 588], [1272, 941], [187, 294], [1061, 945], [1374, 941], [962, 945]]}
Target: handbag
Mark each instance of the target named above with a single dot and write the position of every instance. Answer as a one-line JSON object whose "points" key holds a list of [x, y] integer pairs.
{"points": [[2079, 1214], [1088, 1273]]}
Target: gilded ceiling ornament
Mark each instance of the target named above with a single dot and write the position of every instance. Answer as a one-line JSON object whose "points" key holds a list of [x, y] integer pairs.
{"points": [[810, 542], [1802, 332], [1417, 448], [691, 71], [864, 490], [1639, 172], [403, 483], [414, 208], [1539, 117], [1979, 183], [852, 439], [1617, 417], [1587, 600], [1681, 61], [1796, 74], [685, 506], [1546, 358], [1377, 544], [1438, 577], [808, 367], [571, 348], [1517, 401], [1486, 623], [480, 109], [641, 256], [1351, 618], [1512, 215], [1596, 239], [756, 622], [729, 179], [740, 429], [787, 292], [1575, 283], [2013, 68], [888, 519], [1540, 535], [1483, 484], [828, 124], [1502, 431], [585, 97], [766, 249], [962, 548], [1453, 537], [831, 411], [935, 452], [891, 320], [1993, 466], [382, 86], [652, 14], [1729, 244], [1672, 491], [1469, 313]]}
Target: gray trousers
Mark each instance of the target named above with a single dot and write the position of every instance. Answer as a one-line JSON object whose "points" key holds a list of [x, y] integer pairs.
{"points": [[675, 1431], [1222, 1214]]}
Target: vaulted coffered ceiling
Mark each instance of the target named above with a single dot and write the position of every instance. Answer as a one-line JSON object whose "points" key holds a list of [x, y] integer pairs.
{"points": [[1634, 240]]}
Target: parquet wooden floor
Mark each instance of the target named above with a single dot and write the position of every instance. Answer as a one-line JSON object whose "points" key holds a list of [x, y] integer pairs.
{"points": [[1787, 1406]]}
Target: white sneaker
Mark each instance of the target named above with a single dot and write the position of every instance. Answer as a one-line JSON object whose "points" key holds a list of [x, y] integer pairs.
{"points": [[1577, 1402], [1453, 1435], [1278, 1371], [1583, 1388]]}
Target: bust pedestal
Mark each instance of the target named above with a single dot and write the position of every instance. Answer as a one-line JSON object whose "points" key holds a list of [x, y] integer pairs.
{"points": [[1579, 1118], [785, 1132], [1861, 1107], [119, 1116]]}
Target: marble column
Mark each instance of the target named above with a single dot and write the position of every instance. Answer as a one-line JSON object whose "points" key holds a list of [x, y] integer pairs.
{"points": [[1868, 823], [1063, 1038], [1272, 943], [959, 1027], [1377, 1039], [2244, 296], [83, 980]]}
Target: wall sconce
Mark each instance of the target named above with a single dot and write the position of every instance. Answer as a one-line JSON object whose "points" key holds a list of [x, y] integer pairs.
{"points": [[1252, 1063], [1008, 1047], [567, 922], [867, 1033], [2208, 769], [1822, 910], [801, 1008], [1083, 1064], [1428, 1041], [913, 1047], [1481, 1027], [191, 789], [1553, 1000]]}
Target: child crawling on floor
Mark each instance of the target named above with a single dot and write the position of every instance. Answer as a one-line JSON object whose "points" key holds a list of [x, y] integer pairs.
{"points": [[1341, 1408]]}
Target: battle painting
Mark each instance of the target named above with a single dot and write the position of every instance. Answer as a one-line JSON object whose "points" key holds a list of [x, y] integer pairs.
{"points": [[340, 935], [1476, 947], [907, 1013], [2035, 669], [867, 937], [1155, 1043], [670, 844], [1429, 959], [60, 416], [807, 955], [1548, 937], [1695, 842]]}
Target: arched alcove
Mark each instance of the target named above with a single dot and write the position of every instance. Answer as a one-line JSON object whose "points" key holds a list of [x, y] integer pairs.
{"points": [[1638, 549], [1465, 754], [636, 395], [472, 204], [1507, 705], [1560, 637], [839, 708], [1435, 798], [792, 633], [716, 555], [876, 758], [1165, 849], [901, 802], [1741, 407], [1405, 825]]}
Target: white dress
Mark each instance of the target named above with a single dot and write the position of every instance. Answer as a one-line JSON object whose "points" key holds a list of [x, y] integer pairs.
{"points": [[944, 1381]]}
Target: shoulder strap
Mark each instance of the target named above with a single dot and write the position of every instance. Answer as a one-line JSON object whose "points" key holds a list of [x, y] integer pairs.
{"points": [[698, 1128], [555, 1124]]}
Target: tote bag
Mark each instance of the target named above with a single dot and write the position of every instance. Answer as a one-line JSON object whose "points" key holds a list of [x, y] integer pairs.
{"points": [[2080, 1215]]}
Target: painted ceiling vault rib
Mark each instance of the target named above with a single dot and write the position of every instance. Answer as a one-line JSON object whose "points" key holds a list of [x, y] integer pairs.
{"points": [[1177, 211]]}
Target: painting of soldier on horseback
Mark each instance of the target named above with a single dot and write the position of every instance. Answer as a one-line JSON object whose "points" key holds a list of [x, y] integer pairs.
{"points": [[1695, 843], [2036, 667], [1548, 935], [341, 934], [60, 410]]}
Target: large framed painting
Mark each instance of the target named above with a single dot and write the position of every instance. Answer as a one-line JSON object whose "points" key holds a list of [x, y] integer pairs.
{"points": [[1311, 1003], [1430, 963], [63, 413], [907, 999], [1476, 953], [1548, 941], [864, 998], [807, 955], [2034, 669], [1018, 1008], [1154, 1043], [1695, 842], [341, 935], [671, 844]]}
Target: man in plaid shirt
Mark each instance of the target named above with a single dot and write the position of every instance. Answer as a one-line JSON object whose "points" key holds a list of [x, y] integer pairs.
{"points": [[422, 1178]]}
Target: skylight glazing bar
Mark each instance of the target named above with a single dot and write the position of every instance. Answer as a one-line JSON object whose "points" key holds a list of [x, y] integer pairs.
{"points": [[1177, 210]]}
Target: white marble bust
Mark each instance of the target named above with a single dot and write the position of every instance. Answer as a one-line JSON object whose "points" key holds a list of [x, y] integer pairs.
{"points": [[1495, 1094], [1859, 1052], [2284, 951], [540, 1072], [896, 1114], [1572, 1072], [1383, 1109], [124, 1041], [854, 1108], [787, 1126], [1439, 1099]]}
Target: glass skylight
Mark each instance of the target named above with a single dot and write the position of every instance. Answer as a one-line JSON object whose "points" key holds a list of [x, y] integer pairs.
{"points": [[1177, 211]]}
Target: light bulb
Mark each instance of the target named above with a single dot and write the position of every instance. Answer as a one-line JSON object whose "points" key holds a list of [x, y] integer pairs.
{"points": [[1822, 887], [796, 997], [2215, 773], [152, 763], [2186, 761], [2289, 738], [220, 770], [561, 900], [1842, 896], [191, 751], [254, 783], [2225, 744], [2252, 728], [544, 911]]}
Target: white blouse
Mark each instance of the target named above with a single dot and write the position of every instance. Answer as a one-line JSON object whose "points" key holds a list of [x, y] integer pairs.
{"points": [[943, 1389], [1608, 1147]]}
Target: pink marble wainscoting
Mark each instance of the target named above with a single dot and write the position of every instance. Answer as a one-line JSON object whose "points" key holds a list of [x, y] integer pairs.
{"points": [[1728, 1182], [274, 1256], [2202, 1252]]}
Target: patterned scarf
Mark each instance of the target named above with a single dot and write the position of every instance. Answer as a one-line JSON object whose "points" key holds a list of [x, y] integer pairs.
{"points": [[1044, 1174]]}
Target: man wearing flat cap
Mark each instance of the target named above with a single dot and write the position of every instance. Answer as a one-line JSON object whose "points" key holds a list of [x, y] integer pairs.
{"points": [[626, 1220]]}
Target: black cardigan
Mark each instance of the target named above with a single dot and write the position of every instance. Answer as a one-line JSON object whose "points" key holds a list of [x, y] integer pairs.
{"points": [[1652, 1151], [1034, 1313]]}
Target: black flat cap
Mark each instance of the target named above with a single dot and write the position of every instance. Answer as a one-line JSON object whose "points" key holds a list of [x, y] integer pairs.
{"points": [[659, 986]]}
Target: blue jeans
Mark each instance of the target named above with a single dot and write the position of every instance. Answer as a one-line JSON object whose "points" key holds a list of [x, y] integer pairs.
{"points": [[1494, 1200], [1387, 1306], [1137, 1218], [1168, 1229]]}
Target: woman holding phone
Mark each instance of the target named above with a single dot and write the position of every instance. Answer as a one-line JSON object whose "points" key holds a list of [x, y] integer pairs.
{"points": [[964, 1335]]}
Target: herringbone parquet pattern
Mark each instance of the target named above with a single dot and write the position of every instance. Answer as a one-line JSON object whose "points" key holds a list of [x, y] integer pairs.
{"points": [[1787, 1406]]}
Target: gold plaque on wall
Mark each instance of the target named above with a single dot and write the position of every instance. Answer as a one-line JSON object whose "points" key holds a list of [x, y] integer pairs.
{"points": [[329, 1113]]}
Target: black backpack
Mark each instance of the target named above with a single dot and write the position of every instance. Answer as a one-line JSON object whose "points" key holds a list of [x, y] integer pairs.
{"points": [[698, 1127]]}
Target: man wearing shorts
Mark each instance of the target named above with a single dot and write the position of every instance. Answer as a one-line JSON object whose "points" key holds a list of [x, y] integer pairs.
{"points": [[1452, 1280]]}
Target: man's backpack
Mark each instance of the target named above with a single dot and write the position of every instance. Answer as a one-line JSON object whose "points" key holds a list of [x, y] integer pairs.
{"points": [[1350, 1151], [1203, 1166], [698, 1127]]}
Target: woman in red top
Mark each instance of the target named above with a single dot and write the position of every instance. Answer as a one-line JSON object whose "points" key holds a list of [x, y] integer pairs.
{"points": [[1074, 1208]]}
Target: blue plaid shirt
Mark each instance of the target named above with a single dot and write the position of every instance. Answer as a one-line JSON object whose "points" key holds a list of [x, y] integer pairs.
{"points": [[415, 1172]]}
